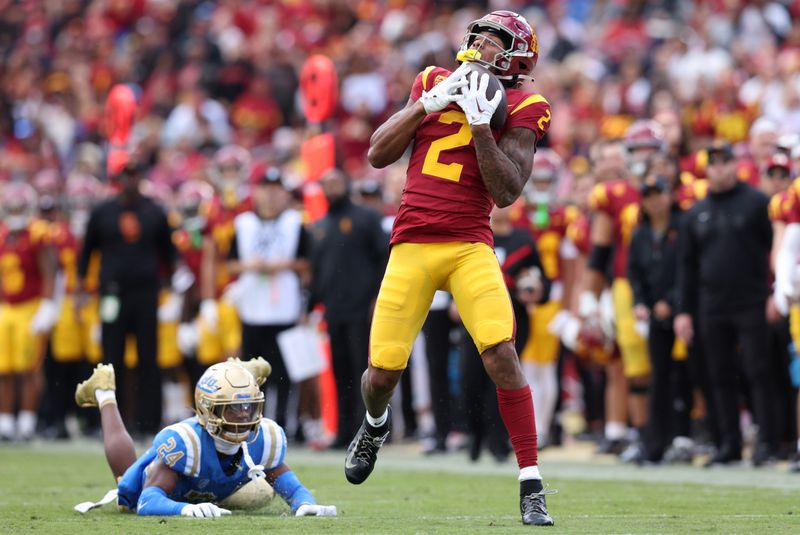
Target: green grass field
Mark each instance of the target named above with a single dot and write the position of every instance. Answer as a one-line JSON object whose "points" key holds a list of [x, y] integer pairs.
{"points": [[411, 494]]}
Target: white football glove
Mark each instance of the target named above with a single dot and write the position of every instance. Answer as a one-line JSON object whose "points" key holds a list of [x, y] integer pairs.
{"points": [[188, 337], [446, 91], [170, 310], [203, 510], [476, 107], [45, 317], [308, 509], [208, 311]]}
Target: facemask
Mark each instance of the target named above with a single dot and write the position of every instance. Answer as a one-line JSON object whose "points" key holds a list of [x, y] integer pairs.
{"points": [[16, 222]]}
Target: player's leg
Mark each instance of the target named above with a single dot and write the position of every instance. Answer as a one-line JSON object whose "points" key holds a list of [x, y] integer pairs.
{"points": [[28, 356], [635, 360], [482, 299], [616, 402], [403, 301], [99, 391]]}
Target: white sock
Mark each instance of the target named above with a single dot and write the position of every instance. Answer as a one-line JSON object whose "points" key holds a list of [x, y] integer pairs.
{"points": [[529, 472], [615, 430], [105, 396], [7, 424], [26, 424], [379, 421]]}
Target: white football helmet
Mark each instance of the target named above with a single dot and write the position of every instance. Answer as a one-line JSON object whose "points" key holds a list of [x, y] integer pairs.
{"points": [[228, 402]]}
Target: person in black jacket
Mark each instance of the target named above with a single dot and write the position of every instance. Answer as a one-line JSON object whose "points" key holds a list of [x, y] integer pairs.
{"points": [[137, 255], [348, 258], [723, 274], [652, 262], [528, 286]]}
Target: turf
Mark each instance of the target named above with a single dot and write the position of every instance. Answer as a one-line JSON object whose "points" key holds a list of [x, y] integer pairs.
{"points": [[409, 494]]}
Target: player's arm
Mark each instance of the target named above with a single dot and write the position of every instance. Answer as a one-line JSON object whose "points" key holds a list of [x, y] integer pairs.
{"points": [[392, 138], [503, 166], [602, 235], [295, 494], [47, 313]]}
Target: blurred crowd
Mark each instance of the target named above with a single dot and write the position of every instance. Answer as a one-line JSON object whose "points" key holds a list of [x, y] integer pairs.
{"points": [[649, 94]]}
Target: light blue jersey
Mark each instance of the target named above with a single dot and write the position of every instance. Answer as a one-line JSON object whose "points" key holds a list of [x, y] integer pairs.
{"points": [[188, 449]]}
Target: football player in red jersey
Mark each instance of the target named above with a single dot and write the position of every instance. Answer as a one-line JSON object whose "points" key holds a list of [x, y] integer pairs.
{"points": [[459, 168], [220, 330], [547, 220], [615, 213], [27, 270]]}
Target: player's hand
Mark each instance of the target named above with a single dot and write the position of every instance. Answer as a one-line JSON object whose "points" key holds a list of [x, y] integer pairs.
{"points": [[188, 336], [170, 310], [446, 91], [641, 312], [476, 106], [308, 509], [203, 510], [683, 327], [208, 311], [45, 317]]}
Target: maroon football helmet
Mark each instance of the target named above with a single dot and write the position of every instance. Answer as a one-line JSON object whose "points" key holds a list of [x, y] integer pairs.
{"points": [[520, 46], [644, 134]]}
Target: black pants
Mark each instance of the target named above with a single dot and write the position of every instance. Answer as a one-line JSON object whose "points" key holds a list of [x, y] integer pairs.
{"points": [[262, 341], [479, 395], [137, 316], [670, 390], [437, 349], [720, 334], [349, 339]]}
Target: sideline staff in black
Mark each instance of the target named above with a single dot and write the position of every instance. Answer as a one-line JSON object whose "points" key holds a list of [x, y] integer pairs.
{"points": [[133, 237], [348, 258], [723, 275]]}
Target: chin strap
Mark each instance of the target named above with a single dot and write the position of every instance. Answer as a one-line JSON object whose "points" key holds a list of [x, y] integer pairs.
{"points": [[254, 471]]}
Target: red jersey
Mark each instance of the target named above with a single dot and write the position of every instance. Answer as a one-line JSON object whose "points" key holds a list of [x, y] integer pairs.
{"points": [[220, 222], [690, 193], [20, 277], [549, 229], [780, 207], [444, 198], [792, 205], [579, 233], [67, 248], [190, 246], [620, 201]]}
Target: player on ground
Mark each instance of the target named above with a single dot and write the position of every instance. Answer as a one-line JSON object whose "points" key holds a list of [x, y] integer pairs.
{"points": [[196, 463], [441, 239]]}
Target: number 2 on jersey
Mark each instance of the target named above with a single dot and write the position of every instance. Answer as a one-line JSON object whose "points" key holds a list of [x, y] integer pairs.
{"points": [[448, 171]]}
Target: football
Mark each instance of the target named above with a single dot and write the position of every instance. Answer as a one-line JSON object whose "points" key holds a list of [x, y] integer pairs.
{"points": [[501, 113], [254, 494]]}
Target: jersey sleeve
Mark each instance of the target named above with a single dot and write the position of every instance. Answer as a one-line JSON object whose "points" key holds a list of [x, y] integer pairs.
{"points": [[178, 447], [533, 113], [601, 200], [426, 79], [274, 451], [776, 208], [792, 206]]}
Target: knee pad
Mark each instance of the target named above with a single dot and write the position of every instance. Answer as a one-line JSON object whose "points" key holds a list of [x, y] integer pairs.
{"points": [[391, 358], [491, 333]]}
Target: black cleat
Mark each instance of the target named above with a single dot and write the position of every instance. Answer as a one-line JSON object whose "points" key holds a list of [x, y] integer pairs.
{"points": [[725, 455], [363, 450], [533, 508]]}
